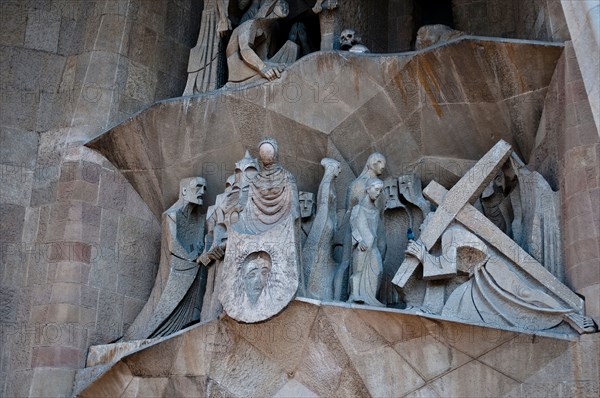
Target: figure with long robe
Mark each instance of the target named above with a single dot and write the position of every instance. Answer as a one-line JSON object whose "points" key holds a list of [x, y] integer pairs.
{"points": [[317, 254], [356, 191], [176, 298], [268, 228], [367, 261]]}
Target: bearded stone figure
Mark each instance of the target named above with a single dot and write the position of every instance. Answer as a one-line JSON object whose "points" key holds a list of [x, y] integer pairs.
{"points": [[176, 298]]}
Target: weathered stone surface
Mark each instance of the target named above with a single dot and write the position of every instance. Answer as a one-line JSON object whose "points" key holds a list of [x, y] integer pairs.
{"points": [[473, 380], [449, 96], [342, 356]]}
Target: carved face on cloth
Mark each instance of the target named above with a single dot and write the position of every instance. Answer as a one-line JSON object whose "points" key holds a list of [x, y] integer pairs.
{"points": [[256, 275]]}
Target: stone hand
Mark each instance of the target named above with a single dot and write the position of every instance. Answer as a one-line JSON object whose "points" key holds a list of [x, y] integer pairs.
{"points": [[362, 246], [216, 253], [223, 26], [271, 72], [416, 249]]}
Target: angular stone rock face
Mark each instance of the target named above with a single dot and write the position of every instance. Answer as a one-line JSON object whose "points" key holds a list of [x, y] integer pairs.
{"points": [[312, 350], [428, 111]]}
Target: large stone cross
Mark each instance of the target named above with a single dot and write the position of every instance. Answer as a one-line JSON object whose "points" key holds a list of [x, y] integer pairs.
{"points": [[455, 205]]}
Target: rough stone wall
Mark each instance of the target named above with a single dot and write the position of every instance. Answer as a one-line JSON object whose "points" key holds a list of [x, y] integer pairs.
{"points": [[78, 245], [567, 154], [401, 25], [520, 19]]}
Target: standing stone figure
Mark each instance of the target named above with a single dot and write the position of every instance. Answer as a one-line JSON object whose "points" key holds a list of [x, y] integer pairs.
{"points": [[374, 168], [219, 218], [176, 297], [317, 254], [307, 212], [264, 241], [367, 262], [206, 65]]}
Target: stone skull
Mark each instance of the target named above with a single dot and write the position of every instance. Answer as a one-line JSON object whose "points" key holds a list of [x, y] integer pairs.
{"points": [[348, 38]]}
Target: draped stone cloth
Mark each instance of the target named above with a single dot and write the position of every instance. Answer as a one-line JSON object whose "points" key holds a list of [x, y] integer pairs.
{"points": [[272, 197]]}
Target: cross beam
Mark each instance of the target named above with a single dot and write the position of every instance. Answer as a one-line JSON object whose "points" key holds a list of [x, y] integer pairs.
{"points": [[471, 218], [466, 190]]}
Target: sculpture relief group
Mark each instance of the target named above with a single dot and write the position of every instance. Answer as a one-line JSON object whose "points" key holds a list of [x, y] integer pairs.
{"points": [[486, 250], [454, 253]]}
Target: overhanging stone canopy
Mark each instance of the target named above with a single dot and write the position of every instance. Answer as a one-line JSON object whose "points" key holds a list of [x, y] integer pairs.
{"points": [[314, 349], [432, 112]]}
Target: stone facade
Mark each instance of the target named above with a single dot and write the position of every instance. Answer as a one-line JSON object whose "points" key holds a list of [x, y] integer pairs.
{"points": [[79, 237], [79, 246]]}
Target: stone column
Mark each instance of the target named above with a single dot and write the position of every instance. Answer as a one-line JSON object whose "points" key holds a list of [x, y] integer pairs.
{"points": [[583, 19]]}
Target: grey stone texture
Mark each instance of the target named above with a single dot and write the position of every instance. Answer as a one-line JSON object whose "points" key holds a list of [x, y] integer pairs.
{"points": [[50, 100], [520, 19], [326, 350], [64, 70], [416, 99]]}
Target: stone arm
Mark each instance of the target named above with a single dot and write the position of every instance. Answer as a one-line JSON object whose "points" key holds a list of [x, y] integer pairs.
{"points": [[446, 261], [224, 24], [175, 248], [246, 41], [361, 236]]}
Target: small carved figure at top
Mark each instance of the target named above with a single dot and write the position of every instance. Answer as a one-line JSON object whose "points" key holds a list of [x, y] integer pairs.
{"points": [[367, 261], [430, 35], [331, 4], [251, 43], [350, 40]]}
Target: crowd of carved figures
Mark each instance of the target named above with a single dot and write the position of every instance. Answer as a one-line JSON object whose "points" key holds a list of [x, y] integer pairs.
{"points": [[485, 251]]}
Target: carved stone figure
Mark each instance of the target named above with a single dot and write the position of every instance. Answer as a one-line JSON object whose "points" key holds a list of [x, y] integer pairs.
{"points": [[390, 187], [307, 211], [206, 65], [351, 41], [536, 223], [495, 292], [409, 186], [219, 218], [317, 254], [307, 204], [430, 35], [251, 43], [367, 262], [268, 226], [176, 298], [506, 285], [356, 191]]}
